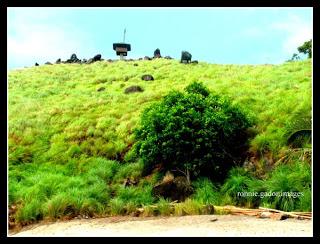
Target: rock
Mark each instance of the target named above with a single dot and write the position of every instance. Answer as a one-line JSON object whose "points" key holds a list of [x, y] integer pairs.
{"points": [[133, 89], [185, 57], [299, 137], [36, 64], [167, 57], [48, 63], [147, 58], [177, 189], [110, 60], [156, 53], [84, 61], [73, 59], [194, 62], [58, 61], [101, 89], [97, 57], [140, 58], [147, 77]]}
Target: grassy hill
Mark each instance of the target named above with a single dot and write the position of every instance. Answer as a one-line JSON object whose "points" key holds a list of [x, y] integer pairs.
{"points": [[68, 141]]}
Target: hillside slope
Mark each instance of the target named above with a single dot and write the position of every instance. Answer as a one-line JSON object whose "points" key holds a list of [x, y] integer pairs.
{"points": [[67, 119]]}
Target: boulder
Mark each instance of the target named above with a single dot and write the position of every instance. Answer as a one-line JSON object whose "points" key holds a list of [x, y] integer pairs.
{"points": [[73, 59], [73, 56], [156, 53], [177, 189], [147, 58], [97, 57], [133, 89], [84, 61], [147, 77], [185, 57], [167, 57], [58, 61], [194, 62], [48, 63], [299, 137], [36, 64]]}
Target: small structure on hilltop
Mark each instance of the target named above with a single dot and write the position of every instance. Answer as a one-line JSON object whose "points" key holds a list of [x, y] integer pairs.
{"points": [[122, 48]]}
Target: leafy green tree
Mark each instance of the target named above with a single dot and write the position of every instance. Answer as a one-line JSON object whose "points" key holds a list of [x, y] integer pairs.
{"points": [[306, 48], [194, 132]]}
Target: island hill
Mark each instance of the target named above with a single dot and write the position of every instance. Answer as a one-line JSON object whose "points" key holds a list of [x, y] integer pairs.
{"points": [[72, 130]]}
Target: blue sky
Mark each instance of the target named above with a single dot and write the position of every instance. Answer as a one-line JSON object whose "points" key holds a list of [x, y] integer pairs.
{"points": [[214, 35]]}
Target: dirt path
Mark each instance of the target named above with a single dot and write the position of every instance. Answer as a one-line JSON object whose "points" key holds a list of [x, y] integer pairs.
{"points": [[225, 225]]}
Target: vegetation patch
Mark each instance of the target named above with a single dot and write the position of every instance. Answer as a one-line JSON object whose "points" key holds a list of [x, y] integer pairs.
{"points": [[71, 147]]}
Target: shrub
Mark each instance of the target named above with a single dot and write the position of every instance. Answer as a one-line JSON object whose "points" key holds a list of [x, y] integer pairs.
{"points": [[31, 211], [194, 132], [206, 192], [128, 170], [117, 206], [140, 195], [291, 178], [164, 207], [189, 207], [237, 182]]}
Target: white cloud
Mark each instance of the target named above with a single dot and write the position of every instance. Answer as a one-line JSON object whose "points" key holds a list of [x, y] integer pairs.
{"points": [[297, 30], [35, 37]]}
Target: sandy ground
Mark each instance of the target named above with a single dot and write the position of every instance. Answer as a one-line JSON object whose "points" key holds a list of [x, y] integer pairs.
{"points": [[202, 225]]}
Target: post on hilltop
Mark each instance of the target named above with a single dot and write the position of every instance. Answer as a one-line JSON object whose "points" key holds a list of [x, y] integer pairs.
{"points": [[122, 48]]}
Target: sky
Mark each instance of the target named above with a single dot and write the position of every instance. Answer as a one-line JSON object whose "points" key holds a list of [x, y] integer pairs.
{"points": [[214, 35]]}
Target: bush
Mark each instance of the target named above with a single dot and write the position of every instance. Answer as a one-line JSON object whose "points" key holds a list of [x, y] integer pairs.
{"points": [[292, 178], [138, 195], [195, 132], [164, 207], [206, 192], [238, 181]]}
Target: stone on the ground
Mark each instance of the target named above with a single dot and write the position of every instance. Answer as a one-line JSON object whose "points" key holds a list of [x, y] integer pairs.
{"points": [[147, 77], [133, 89]]}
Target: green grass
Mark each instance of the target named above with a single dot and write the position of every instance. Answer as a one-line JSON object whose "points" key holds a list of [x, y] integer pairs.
{"points": [[68, 143], [292, 178], [206, 192]]}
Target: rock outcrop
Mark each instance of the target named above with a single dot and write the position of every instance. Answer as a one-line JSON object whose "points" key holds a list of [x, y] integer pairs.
{"points": [[174, 189]]}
